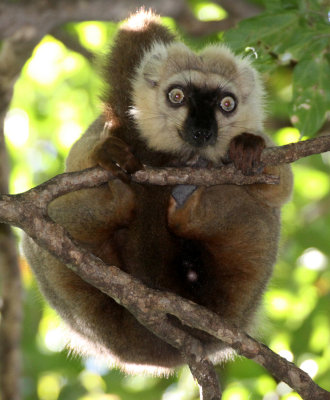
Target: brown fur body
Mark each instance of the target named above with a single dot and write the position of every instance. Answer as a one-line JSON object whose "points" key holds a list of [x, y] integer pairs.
{"points": [[217, 249]]}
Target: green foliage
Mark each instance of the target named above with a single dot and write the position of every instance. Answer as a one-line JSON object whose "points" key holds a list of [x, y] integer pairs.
{"points": [[56, 98], [297, 33]]}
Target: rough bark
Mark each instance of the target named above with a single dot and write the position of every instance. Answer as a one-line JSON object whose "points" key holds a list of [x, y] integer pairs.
{"points": [[41, 16], [10, 291]]}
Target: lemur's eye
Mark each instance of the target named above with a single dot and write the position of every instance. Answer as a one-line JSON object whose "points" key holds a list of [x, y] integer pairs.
{"points": [[176, 96], [228, 103]]}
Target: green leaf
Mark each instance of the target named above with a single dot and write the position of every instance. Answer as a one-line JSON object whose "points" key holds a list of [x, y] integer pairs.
{"points": [[310, 98], [320, 6], [290, 4], [273, 5], [266, 28], [301, 44]]}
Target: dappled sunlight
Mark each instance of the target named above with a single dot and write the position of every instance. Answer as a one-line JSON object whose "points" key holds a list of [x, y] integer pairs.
{"points": [[319, 340], [280, 342], [100, 396], [208, 11], [285, 94], [313, 259], [54, 340], [265, 384], [16, 127], [311, 183], [291, 396], [286, 354], [92, 34], [173, 393], [49, 386], [20, 181], [51, 331], [278, 303], [185, 389], [326, 158], [139, 383], [283, 389], [68, 133], [287, 135], [70, 63], [236, 391], [44, 66], [92, 382], [310, 367]]}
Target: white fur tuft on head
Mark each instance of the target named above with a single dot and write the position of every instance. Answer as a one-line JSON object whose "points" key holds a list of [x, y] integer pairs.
{"points": [[140, 20]]}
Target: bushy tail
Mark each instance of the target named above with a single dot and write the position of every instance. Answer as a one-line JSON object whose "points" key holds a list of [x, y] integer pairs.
{"points": [[136, 35]]}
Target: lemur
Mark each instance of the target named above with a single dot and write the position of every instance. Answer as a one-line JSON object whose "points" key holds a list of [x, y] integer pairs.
{"points": [[167, 105]]}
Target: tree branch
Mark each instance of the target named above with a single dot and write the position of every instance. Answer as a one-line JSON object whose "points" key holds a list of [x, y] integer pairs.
{"points": [[151, 307], [294, 151], [205, 375], [44, 15], [91, 177], [10, 284], [11, 316]]}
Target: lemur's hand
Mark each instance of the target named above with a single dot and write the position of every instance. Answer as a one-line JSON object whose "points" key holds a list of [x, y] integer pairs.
{"points": [[245, 152], [114, 155]]}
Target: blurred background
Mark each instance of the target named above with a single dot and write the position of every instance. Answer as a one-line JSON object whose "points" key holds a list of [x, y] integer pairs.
{"points": [[55, 99]]}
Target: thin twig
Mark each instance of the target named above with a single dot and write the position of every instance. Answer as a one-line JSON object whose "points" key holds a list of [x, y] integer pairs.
{"points": [[294, 151]]}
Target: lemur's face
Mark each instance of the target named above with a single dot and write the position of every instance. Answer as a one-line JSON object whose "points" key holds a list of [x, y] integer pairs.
{"points": [[188, 103]]}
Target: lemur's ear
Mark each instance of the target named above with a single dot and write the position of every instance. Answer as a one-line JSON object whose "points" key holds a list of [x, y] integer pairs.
{"points": [[153, 63]]}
